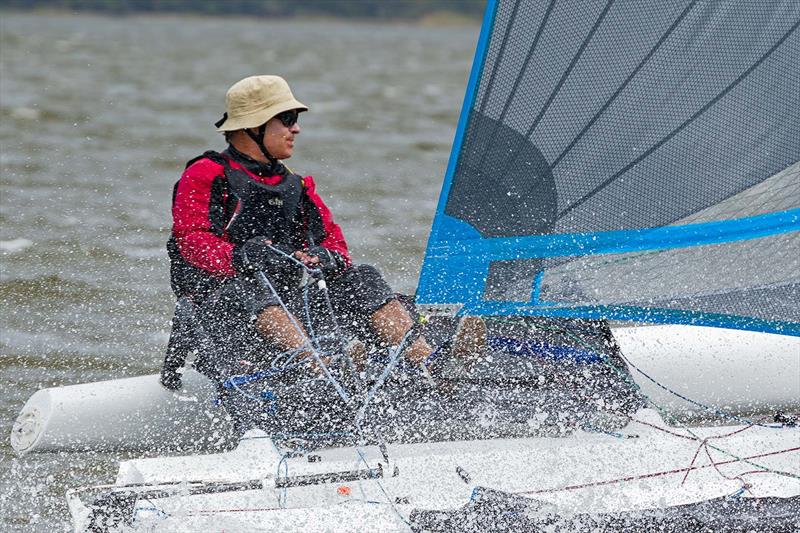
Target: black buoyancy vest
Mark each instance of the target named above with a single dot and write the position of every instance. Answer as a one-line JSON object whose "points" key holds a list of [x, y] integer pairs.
{"points": [[271, 211], [241, 208]]}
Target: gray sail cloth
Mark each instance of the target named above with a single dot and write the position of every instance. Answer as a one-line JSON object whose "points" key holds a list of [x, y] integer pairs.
{"points": [[606, 116]]}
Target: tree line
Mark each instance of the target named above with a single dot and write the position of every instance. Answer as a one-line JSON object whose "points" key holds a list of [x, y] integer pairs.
{"points": [[403, 9]]}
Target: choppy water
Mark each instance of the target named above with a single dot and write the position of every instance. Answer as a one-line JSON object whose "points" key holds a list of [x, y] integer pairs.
{"points": [[98, 116]]}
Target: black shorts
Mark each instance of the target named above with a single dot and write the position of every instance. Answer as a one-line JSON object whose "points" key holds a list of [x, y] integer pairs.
{"points": [[229, 314]]}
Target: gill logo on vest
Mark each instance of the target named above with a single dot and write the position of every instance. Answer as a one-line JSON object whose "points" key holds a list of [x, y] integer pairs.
{"points": [[275, 201]]}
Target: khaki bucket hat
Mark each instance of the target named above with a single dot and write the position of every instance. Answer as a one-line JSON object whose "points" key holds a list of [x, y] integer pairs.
{"points": [[251, 102]]}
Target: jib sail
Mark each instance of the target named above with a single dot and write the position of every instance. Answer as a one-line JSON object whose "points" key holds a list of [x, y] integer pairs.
{"points": [[626, 160]]}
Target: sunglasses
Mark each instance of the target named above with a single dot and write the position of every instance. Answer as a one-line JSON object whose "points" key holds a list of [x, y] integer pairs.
{"points": [[288, 118]]}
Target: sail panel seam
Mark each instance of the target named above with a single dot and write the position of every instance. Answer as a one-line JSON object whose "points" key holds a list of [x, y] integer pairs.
{"points": [[517, 82], [608, 181], [560, 84], [621, 88]]}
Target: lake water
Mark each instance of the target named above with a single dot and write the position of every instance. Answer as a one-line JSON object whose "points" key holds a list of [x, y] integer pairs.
{"points": [[98, 116]]}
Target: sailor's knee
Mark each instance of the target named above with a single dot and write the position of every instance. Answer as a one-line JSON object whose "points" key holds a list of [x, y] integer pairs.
{"points": [[365, 272], [369, 286]]}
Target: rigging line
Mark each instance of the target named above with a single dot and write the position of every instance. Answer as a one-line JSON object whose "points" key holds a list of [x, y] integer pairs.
{"points": [[393, 360], [323, 286], [528, 58], [688, 121], [307, 312], [656, 474], [389, 499], [557, 88], [709, 408], [664, 413], [627, 378], [659, 428], [739, 477], [262, 278], [704, 446], [619, 90], [500, 54]]}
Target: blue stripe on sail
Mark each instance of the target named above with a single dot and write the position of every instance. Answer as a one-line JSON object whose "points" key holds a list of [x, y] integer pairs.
{"points": [[469, 99], [609, 242], [635, 314]]}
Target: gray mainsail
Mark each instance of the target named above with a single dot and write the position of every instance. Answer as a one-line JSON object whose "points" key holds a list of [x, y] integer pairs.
{"points": [[627, 160]]}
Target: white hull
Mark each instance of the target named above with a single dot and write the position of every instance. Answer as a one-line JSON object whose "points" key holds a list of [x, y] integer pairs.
{"points": [[740, 372], [122, 414], [643, 468]]}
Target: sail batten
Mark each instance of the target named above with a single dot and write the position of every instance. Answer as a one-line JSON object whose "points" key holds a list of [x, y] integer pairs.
{"points": [[602, 141]]}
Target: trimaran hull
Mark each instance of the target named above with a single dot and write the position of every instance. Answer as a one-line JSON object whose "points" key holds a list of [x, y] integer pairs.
{"points": [[647, 465]]}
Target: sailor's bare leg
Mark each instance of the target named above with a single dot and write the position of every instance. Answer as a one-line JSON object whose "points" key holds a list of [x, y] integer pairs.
{"points": [[391, 322], [278, 327]]}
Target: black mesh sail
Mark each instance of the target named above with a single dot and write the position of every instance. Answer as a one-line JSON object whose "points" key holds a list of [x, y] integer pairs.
{"points": [[629, 160]]}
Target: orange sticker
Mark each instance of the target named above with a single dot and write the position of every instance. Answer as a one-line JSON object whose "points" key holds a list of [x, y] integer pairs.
{"points": [[344, 490]]}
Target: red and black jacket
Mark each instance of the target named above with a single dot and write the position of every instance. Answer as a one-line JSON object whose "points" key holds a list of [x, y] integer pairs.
{"points": [[219, 203]]}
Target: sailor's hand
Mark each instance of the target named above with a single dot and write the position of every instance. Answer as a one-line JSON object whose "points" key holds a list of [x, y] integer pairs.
{"points": [[328, 261], [310, 261]]}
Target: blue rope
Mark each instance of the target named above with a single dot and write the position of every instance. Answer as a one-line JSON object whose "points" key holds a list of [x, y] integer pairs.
{"points": [[737, 494], [234, 382], [389, 499], [314, 353], [525, 349], [393, 360], [537, 348], [284, 493], [286, 361], [435, 354], [715, 410]]}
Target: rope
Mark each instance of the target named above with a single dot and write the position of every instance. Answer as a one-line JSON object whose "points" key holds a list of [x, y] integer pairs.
{"points": [[316, 348], [664, 413], [395, 356], [386, 494], [709, 408], [654, 474], [262, 278], [665, 430], [393, 359]]}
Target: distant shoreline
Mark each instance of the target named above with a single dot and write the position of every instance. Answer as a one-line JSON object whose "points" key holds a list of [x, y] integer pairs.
{"points": [[432, 19]]}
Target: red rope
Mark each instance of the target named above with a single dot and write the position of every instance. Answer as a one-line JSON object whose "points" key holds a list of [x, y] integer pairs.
{"points": [[704, 446], [585, 485], [655, 474]]}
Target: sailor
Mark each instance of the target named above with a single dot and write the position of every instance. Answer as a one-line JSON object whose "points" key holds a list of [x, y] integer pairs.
{"points": [[244, 228]]}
